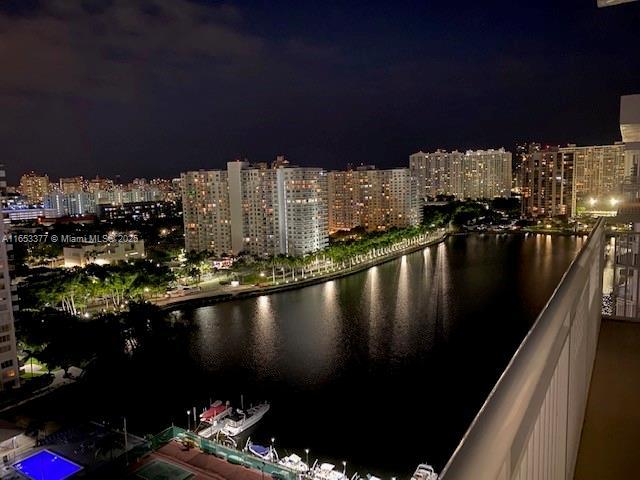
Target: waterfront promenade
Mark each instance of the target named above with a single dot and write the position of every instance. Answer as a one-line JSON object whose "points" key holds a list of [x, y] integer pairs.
{"points": [[220, 293]]}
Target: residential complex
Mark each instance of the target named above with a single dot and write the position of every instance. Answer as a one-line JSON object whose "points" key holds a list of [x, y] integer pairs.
{"points": [[302, 210], [373, 199], [256, 209], [206, 212], [72, 184], [570, 180], [88, 202], [34, 187], [473, 174], [545, 182]]}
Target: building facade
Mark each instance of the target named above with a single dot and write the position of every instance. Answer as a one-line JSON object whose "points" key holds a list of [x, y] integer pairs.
{"points": [[559, 181], [598, 176], [473, 174], [343, 193], [303, 222], [373, 199], [546, 182], [206, 211], [34, 187], [630, 130], [102, 253], [261, 210], [76, 203], [254, 208], [9, 367], [72, 184]]}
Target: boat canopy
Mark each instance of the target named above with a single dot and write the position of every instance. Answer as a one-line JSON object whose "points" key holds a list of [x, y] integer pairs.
{"points": [[213, 411], [259, 449]]}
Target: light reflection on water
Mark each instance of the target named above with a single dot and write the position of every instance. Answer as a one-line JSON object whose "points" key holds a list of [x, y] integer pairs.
{"points": [[448, 316], [354, 366]]}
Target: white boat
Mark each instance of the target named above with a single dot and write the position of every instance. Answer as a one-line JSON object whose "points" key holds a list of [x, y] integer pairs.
{"points": [[238, 421], [268, 454], [295, 463], [424, 472], [326, 471]]}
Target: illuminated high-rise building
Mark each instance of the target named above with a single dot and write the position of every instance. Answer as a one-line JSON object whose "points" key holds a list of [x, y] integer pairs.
{"points": [[281, 210], [206, 212], [571, 180], [546, 182], [598, 176], [302, 209], [343, 193], [254, 208], [472, 174], [373, 199], [34, 187]]}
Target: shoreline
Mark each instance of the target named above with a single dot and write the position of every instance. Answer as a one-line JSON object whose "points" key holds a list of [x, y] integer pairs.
{"points": [[200, 299]]}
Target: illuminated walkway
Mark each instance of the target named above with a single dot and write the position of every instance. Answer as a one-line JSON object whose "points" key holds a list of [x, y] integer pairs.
{"points": [[610, 443]]}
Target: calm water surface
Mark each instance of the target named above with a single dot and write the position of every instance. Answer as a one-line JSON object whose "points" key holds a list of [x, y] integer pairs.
{"points": [[384, 369]]}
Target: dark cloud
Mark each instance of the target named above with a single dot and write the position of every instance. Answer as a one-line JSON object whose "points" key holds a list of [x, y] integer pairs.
{"points": [[96, 48], [143, 87]]}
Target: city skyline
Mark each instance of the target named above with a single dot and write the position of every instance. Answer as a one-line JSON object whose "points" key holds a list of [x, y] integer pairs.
{"points": [[253, 82], [118, 179]]}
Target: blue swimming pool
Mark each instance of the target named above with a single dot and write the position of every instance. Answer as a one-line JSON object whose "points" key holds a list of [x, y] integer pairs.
{"points": [[46, 465]]}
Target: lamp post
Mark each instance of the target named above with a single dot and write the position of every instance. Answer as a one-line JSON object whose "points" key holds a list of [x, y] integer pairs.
{"points": [[306, 450], [188, 420]]}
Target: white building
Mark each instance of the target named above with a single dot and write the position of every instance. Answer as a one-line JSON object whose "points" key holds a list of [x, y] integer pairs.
{"points": [[302, 210], [75, 203], [256, 209], [26, 214]]}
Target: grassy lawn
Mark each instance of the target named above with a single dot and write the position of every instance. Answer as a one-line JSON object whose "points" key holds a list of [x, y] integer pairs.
{"points": [[27, 375]]}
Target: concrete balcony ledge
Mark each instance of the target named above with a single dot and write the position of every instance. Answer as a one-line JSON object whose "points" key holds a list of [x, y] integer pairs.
{"points": [[610, 442]]}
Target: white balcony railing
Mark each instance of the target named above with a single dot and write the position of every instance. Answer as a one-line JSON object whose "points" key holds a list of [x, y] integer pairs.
{"points": [[530, 425]]}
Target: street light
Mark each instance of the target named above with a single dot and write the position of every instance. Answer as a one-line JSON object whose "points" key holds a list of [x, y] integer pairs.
{"points": [[344, 467], [592, 201], [306, 450], [614, 202]]}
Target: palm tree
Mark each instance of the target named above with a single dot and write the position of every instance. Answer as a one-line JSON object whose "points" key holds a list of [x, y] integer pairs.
{"points": [[107, 443]]}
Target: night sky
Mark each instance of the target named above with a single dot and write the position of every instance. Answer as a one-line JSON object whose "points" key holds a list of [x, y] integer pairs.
{"points": [[151, 88]]}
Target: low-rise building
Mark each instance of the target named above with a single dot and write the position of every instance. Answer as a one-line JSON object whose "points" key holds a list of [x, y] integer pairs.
{"points": [[102, 253]]}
